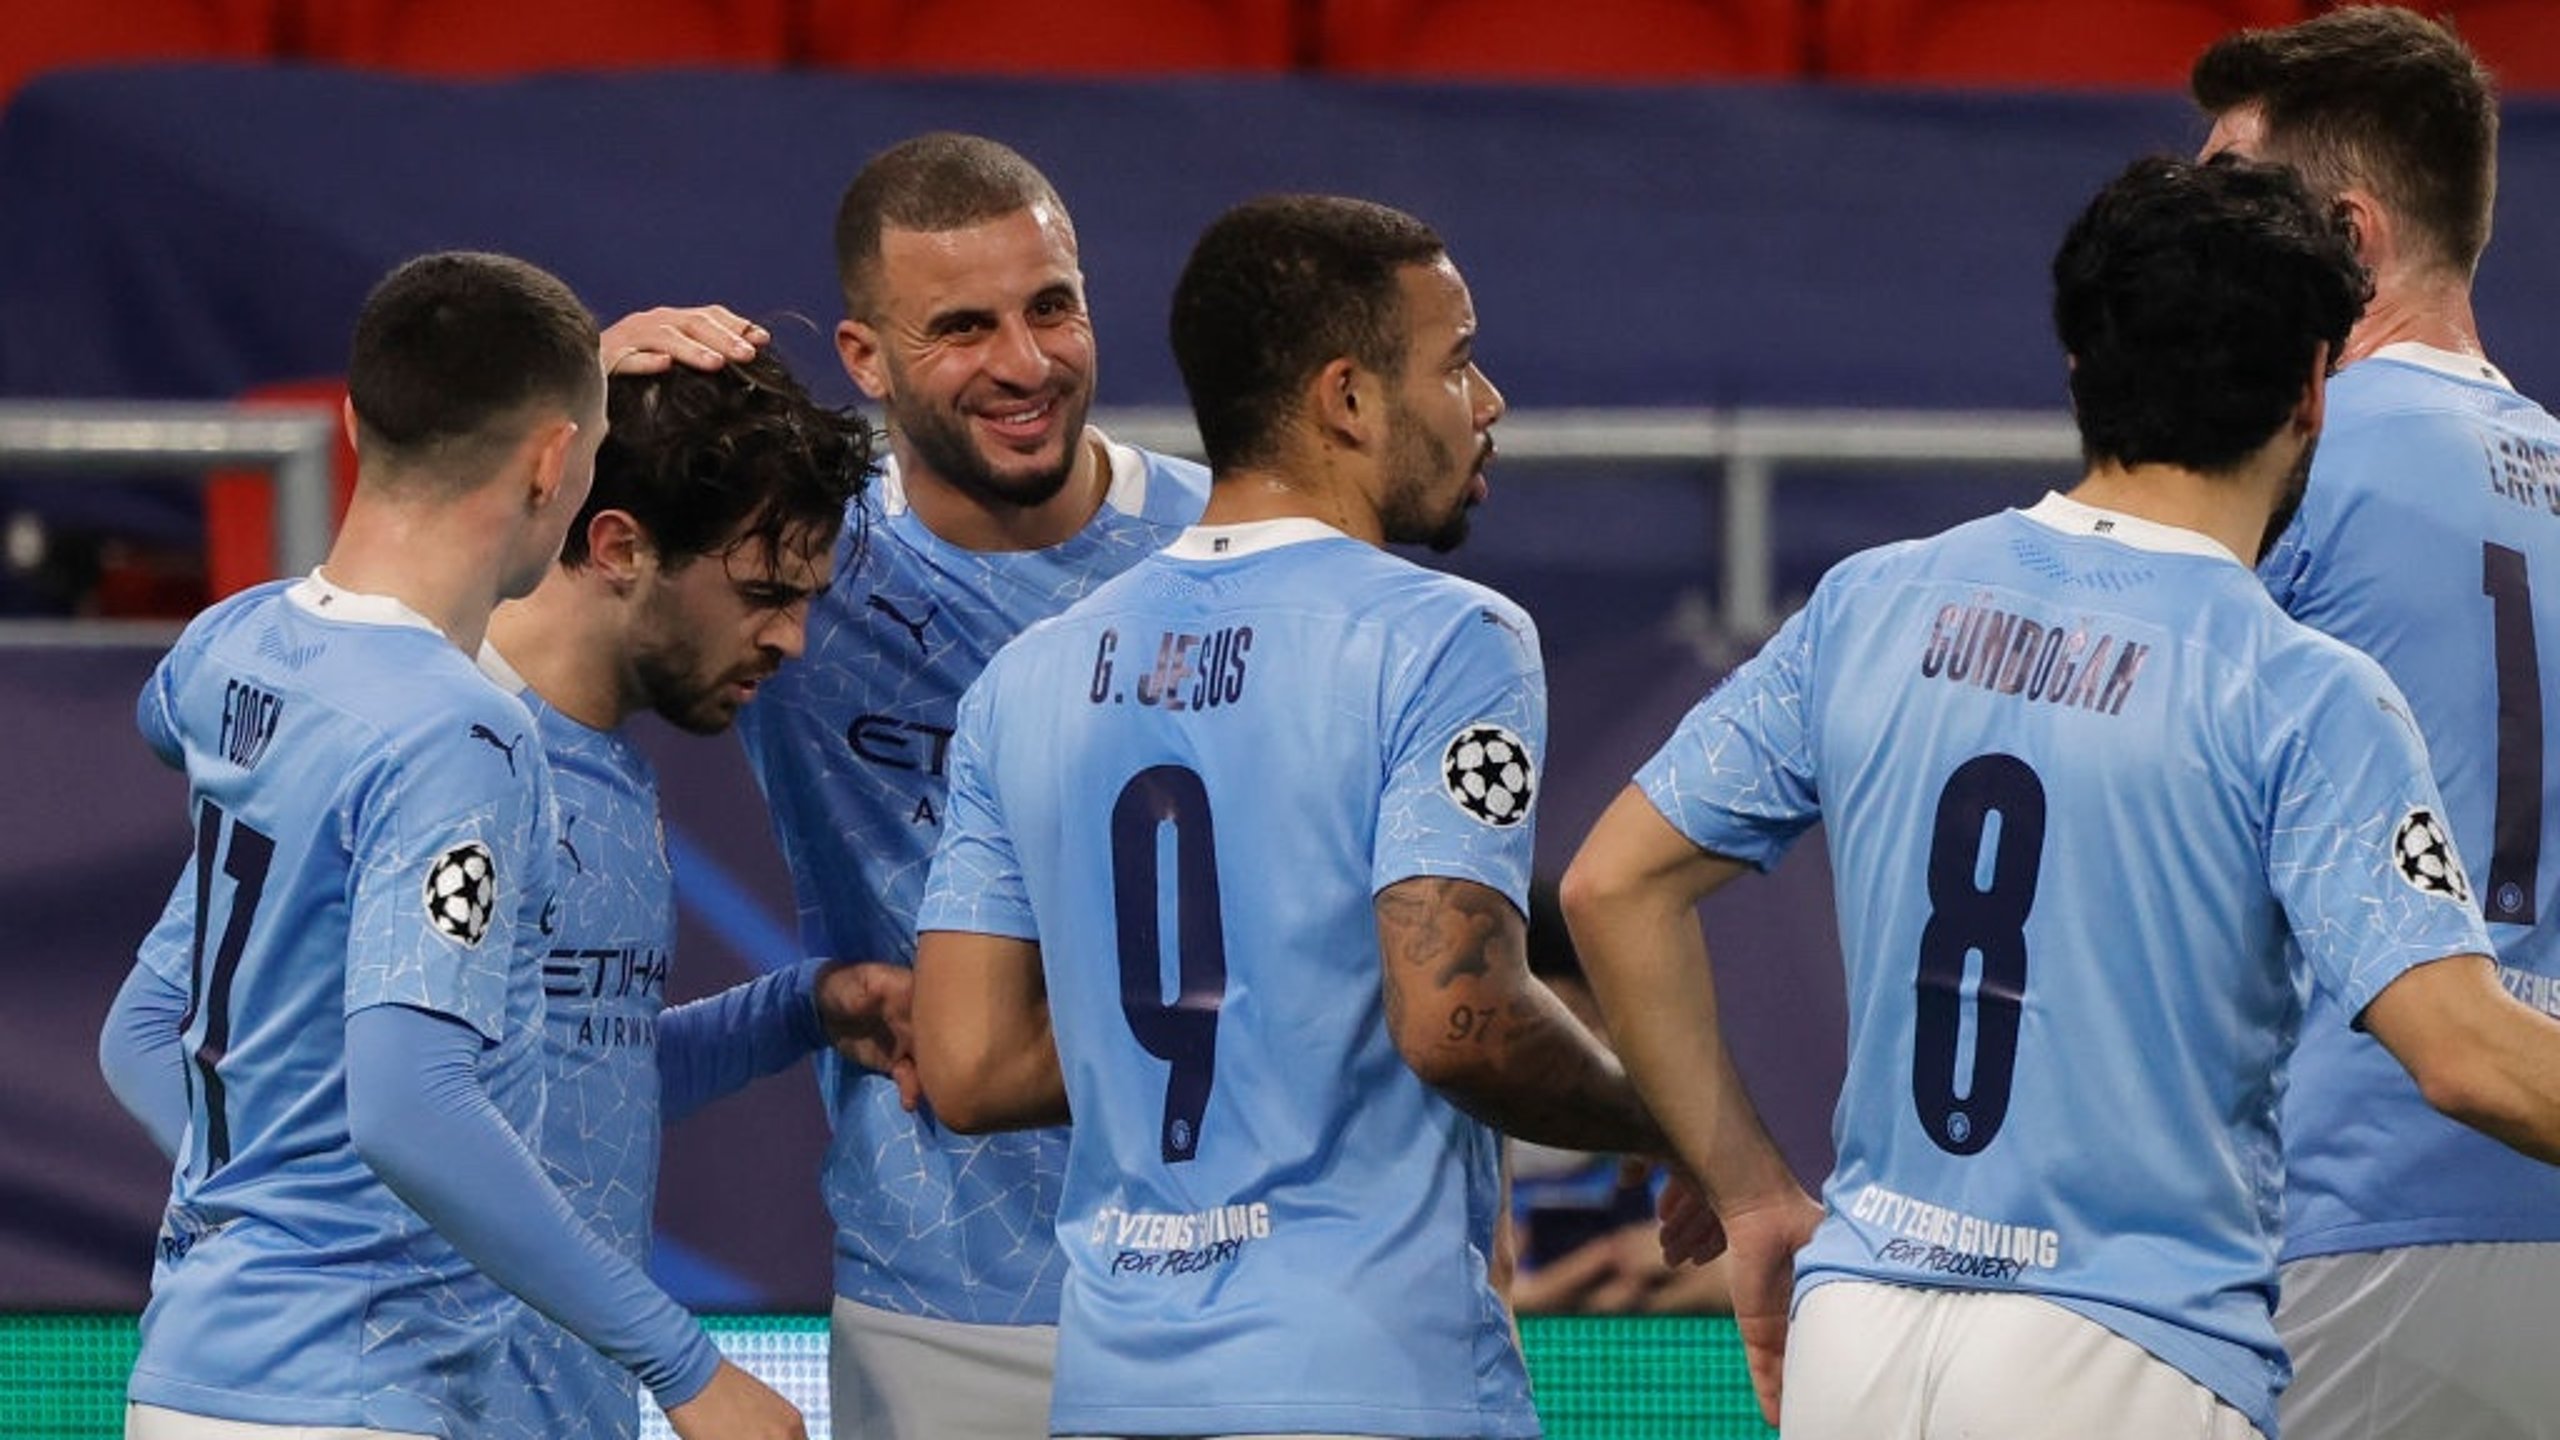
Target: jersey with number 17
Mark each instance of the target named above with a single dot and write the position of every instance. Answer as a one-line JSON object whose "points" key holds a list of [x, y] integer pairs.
{"points": [[2430, 540], [374, 826], [1189, 788], [2082, 782]]}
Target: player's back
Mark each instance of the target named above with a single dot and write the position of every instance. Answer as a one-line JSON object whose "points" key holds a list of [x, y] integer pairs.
{"points": [[1207, 771], [2078, 776], [2430, 539], [369, 818]]}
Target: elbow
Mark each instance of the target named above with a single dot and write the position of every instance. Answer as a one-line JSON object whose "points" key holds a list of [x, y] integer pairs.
{"points": [[956, 1085], [1458, 1071], [2463, 1087], [1591, 891]]}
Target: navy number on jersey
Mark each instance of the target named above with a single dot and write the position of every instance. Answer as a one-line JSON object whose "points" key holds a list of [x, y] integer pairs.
{"points": [[1994, 802], [243, 855], [2515, 852], [1161, 803]]}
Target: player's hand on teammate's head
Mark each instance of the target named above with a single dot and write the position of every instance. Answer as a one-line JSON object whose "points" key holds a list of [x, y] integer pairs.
{"points": [[867, 1007], [736, 1406], [704, 337]]}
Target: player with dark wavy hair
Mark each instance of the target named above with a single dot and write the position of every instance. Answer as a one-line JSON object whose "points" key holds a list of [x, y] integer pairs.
{"points": [[2418, 1255], [684, 585], [2097, 813], [336, 1027]]}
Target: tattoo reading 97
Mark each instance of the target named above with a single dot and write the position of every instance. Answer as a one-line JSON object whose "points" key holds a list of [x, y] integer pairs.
{"points": [[1471, 1022]]}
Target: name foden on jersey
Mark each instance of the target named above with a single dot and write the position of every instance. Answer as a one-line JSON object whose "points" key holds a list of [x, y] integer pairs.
{"points": [[2010, 654], [249, 717], [1191, 671]]}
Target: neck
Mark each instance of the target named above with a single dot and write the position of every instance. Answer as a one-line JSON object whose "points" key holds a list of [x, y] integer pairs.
{"points": [[1291, 490], [2232, 510], [566, 639], [2429, 309], [435, 559], [974, 521]]}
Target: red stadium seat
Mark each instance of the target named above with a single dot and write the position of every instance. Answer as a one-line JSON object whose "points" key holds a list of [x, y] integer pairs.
{"points": [[1044, 37], [465, 38], [40, 35], [2519, 39], [2051, 44], [240, 505], [1629, 40]]}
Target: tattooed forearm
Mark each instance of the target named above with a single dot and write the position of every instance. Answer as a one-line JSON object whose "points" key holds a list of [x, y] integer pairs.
{"points": [[1445, 928], [1475, 1024]]}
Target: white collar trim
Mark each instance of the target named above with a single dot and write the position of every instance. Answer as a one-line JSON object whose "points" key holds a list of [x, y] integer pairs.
{"points": [[1230, 542], [330, 600], [495, 666], [2444, 362], [2076, 517]]}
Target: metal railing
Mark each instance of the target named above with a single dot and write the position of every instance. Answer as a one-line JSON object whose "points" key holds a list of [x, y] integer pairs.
{"points": [[1746, 449], [1748, 446]]}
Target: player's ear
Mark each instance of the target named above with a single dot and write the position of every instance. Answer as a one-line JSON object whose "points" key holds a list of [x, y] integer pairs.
{"points": [[544, 455], [618, 547], [1345, 402], [858, 347]]}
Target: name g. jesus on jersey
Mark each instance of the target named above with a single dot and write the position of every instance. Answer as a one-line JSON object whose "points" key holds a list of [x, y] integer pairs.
{"points": [[1189, 671]]}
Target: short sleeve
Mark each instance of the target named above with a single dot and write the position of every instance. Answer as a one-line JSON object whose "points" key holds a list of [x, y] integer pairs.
{"points": [[2358, 850], [448, 841], [975, 884], [1737, 776], [1466, 735]]}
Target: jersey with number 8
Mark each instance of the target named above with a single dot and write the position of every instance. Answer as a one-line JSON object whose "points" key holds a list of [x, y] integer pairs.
{"points": [[1188, 789], [2081, 782]]}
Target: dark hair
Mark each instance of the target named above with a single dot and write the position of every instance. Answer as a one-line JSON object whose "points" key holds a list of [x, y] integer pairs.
{"points": [[710, 459], [1277, 289], [2378, 97], [2193, 301], [934, 182], [453, 349]]}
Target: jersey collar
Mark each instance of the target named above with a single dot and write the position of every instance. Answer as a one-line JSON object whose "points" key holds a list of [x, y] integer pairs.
{"points": [[1231, 542], [2078, 517], [2444, 362], [330, 600]]}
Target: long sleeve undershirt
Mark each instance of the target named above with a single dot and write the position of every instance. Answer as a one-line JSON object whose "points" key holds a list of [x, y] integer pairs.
{"points": [[419, 1115]]}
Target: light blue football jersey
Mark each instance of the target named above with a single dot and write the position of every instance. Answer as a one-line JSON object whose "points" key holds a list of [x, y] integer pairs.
{"points": [[372, 827], [849, 747], [2430, 539], [605, 969], [2081, 781], [1189, 789]]}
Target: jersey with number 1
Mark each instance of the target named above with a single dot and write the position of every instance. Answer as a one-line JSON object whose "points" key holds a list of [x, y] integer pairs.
{"points": [[2082, 782], [849, 747], [2430, 539], [373, 827]]}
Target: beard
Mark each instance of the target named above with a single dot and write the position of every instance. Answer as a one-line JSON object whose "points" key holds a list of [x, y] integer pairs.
{"points": [[1417, 462], [942, 443], [2297, 483]]}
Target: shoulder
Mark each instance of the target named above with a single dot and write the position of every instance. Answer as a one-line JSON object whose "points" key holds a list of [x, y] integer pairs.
{"points": [[1161, 489]]}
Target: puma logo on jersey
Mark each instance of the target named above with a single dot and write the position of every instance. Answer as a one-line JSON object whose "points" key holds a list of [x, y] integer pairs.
{"points": [[914, 626], [503, 747]]}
